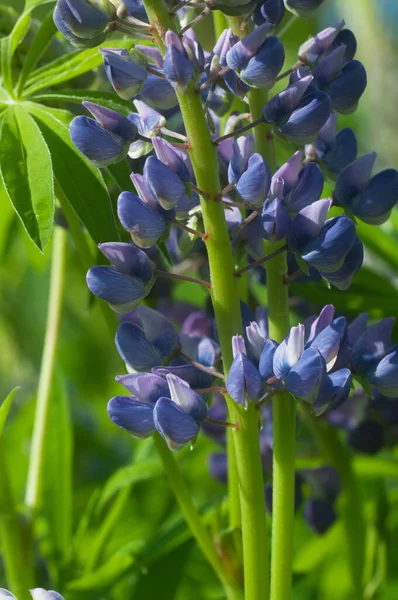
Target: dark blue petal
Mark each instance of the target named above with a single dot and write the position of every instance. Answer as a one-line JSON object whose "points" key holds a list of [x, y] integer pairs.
{"points": [[242, 150], [353, 260], [196, 378], [347, 38], [174, 425], [308, 118], [263, 68], [334, 390], [133, 416], [289, 351], [82, 18], [166, 185], [385, 375], [135, 350], [308, 224], [171, 158], [349, 86], [126, 75], [305, 377], [112, 121], [303, 8], [158, 93], [239, 55], [77, 41], [272, 11], [354, 179], [308, 189], [177, 68], [328, 250], [275, 221], [343, 152], [329, 340], [158, 330]]}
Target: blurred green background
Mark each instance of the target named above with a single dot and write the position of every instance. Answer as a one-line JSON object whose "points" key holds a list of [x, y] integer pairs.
{"points": [[137, 516]]}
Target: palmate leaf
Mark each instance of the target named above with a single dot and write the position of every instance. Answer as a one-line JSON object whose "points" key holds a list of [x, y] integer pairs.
{"points": [[81, 184], [108, 99], [26, 171], [5, 408]]}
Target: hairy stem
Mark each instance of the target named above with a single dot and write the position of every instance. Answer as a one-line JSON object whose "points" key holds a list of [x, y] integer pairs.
{"points": [[283, 405], [247, 468], [55, 302]]}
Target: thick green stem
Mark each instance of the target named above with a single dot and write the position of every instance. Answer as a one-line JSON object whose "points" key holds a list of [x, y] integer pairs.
{"points": [[18, 576], [226, 303], [55, 302], [336, 455], [192, 516], [283, 405]]}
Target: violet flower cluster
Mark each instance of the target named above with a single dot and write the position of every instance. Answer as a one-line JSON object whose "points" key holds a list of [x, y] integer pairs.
{"points": [[172, 374]]}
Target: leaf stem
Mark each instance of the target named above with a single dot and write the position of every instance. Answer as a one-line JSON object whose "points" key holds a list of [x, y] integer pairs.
{"points": [[170, 275], [262, 261], [55, 303]]}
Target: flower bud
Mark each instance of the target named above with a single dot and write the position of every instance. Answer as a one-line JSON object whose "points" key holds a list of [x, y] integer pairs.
{"points": [[126, 71], [144, 224], [84, 20], [177, 67], [303, 8], [244, 381]]}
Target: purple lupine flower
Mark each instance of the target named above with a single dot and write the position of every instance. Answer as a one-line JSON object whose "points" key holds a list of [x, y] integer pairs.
{"points": [[370, 345], [334, 150], [178, 418], [371, 199], [256, 58], [167, 186], [253, 185], [177, 66], [84, 23], [135, 8], [126, 71], [271, 11], [144, 223], [224, 43], [385, 375], [147, 339], [106, 139], [319, 514], [298, 112], [127, 282], [194, 50], [244, 381], [172, 159], [303, 8], [319, 44], [158, 93]]}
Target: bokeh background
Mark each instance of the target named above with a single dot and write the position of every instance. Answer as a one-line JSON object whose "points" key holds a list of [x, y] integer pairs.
{"points": [[133, 519]]}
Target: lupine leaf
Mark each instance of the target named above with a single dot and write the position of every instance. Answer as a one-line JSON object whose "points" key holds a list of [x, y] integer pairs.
{"points": [[104, 576], [37, 48], [127, 475], [69, 66], [21, 28], [57, 496], [30, 4], [5, 408], [5, 47], [82, 184], [26, 170], [107, 99]]}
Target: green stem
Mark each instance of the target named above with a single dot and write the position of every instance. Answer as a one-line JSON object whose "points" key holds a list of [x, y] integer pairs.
{"points": [[226, 303], [336, 455], [18, 577], [283, 405], [192, 516], [55, 302]]}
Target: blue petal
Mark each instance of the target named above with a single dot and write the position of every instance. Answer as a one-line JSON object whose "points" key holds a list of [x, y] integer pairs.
{"points": [[275, 221], [144, 224], [126, 75], [308, 224], [335, 390], [132, 415], [327, 251], [372, 346], [305, 378], [196, 378], [82, 18], [289, 351], [170, 157], [166, 185], [184, 397], [174, 425], [254, 184], [242, 150], [122, 292], [343, 152], [177, 68], [244, 381], [329, 340], [158, 330], [343, 277], [308, 118], [375, 203], [354, 179], [128, 259], [146, 387], [385, 375], [314, 325], [263, 68], [347, 89], [112, 121], [135, 350], [77, 41], [265, 366], [158, 93], [308, 189], [99, 146], [239, 55]]}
